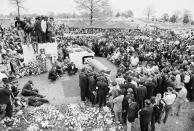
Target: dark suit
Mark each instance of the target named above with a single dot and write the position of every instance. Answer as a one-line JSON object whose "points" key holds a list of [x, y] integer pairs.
{"points": [[145, 117], [5, 96], [83, 84], [150, 89], [190, 88], [132, 111], [159, 84], [38, 31], [92, 87], [125, 105], [141, 95], [102, 91]]}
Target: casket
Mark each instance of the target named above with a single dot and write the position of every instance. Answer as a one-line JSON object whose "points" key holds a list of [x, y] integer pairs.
{"points": [[99, 67]]}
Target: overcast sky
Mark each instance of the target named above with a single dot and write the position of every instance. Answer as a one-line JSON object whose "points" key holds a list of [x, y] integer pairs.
{"points": [[137, 6]]}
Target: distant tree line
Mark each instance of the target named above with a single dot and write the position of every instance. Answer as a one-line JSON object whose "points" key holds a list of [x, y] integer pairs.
{"points": [[185, 17], [100, 8]]}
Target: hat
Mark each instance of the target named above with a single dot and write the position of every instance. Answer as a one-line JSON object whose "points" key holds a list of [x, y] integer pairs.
{"points": [[113, 83], [30, 82]]}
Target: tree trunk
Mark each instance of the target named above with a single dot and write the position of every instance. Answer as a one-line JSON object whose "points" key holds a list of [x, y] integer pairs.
{"points": [[91, 12], [91, 18], [18, 10]]}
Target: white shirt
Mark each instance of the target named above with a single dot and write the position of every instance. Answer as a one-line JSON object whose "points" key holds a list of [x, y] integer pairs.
{"points": [[43, 25], [119, 81], [134, 61], [187, 78], [169, 98]]}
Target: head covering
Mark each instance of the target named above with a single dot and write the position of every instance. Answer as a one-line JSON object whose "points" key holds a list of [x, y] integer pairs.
{"points": [[30, 82], [113, 83]]}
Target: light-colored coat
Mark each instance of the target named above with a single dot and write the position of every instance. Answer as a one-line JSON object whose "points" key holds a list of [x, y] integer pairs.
{"points": [[118, 103]]}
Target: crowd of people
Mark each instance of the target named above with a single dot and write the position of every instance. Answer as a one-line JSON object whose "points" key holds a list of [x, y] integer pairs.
{"points": [[155, 76], [41, 30], [155, 68]]}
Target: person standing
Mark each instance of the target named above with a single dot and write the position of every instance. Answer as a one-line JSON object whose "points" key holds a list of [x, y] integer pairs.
{"points": [[92, 87], [50, 29], [117, 108], [114, 88], [102, 87], [181, 98], [125, 104], [158, 110], [169, 98], [44, 28], [38, 30], [28, 30], [20, 25], [131, 112], [141, 95], [5, 98], [145, 115], [150, 86], [83, 84]]}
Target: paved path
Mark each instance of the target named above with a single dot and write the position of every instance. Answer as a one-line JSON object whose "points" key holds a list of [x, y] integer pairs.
{"points": [[65, 89]]}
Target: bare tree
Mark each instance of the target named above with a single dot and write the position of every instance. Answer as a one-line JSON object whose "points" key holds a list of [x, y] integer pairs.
{"points": [[149, 11], [18, 4], [92, 7]]}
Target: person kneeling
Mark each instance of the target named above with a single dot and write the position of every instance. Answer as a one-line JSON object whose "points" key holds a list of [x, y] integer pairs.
{"points": [[29, 91], [53, 74], [72, 69]]}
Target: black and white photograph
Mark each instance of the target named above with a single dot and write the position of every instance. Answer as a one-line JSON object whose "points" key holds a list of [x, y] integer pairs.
{"points": [[96, 65]]}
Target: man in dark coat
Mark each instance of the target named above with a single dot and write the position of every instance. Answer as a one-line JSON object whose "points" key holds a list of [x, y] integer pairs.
{"points": [[20, 25], [102, 88], [145, 115], [141, 95], [5, 98], [29, 91], [125, 104], [150, 88], [190, 88], [83, 84], [38, 30], [132, 112], [92, 88], [159, 83]]}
